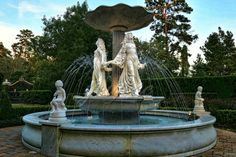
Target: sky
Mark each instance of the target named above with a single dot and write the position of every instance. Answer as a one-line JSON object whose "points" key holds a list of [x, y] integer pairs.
{"points": [[206, 17]]}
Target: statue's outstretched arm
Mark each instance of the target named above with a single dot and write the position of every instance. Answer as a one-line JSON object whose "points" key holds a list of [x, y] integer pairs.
{"points": [[120, 58]]}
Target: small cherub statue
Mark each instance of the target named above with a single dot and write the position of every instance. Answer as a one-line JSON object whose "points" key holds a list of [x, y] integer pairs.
{"points": [[198, 97], [57, 102], [199, 107]]}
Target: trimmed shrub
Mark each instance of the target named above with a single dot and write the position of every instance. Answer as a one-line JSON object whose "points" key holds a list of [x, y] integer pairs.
{"points": [[213, 87], [69, 100], [32, 96], [21, 111], [225, 118], [17, 113], [5, 106], [223, 86], [11, 122], [1, 80], [220, 104]]}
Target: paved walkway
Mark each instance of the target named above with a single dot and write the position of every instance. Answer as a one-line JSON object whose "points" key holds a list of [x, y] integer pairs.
{"points": [[11, 146]]}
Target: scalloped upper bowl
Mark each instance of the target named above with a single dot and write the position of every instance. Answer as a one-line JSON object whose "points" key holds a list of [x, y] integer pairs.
{"points": [[120, 17]]}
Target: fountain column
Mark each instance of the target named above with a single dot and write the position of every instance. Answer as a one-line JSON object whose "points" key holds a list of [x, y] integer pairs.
{"points": [[117, 38]]}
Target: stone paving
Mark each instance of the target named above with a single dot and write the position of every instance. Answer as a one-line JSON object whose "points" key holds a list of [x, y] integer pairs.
{"points": [[11, 146]]}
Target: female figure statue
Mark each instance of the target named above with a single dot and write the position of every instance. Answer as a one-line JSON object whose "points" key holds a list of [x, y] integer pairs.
{"points": [[98, 84], [57, 102], [127, 59]]}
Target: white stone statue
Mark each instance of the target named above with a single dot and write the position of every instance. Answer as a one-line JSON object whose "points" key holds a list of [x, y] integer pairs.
{"points": [[98, 84], [57, 103], [198, 97], [127, 59], [199, 106]]}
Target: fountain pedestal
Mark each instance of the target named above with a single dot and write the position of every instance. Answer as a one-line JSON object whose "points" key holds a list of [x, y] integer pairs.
{"points": [[58, 116], [117, 38], [118, 110]]}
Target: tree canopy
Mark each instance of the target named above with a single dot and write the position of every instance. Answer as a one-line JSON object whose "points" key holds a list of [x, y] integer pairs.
{"points": [[65, 38], [172, 30], [220, 53]]}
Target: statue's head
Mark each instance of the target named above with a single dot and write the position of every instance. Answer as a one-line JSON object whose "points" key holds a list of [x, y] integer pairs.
{"points": [[199, 88], [100, 42], [59, 83], [129, 36]]}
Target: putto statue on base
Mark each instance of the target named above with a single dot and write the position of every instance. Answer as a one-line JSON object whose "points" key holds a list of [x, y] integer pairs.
{"points": [[199, 106], [58, 112]]}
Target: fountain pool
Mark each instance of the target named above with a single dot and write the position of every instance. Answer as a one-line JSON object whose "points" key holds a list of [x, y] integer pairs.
{"points": [[159, 133]]}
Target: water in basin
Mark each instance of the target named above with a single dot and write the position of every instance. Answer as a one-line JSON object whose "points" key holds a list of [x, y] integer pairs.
{"points": [[143, 120]]}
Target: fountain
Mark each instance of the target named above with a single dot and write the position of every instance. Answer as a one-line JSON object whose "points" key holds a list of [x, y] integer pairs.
{"points": [[124, 123]]}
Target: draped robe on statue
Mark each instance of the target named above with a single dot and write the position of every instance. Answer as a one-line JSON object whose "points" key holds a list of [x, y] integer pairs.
{"points": [[127, 59], [98, 84]]}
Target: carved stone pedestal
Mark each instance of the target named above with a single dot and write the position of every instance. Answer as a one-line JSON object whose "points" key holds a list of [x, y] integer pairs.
{"points": [[58, 116], [200, 111]]}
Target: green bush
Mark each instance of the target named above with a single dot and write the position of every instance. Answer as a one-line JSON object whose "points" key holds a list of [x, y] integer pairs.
{"points": [[18, 112], [225, 118], [22, 111], [69, 100], [220, 104], [1, 80], [11, 122], [213, 87], [223, 86], [36, 96], [5, 106]]}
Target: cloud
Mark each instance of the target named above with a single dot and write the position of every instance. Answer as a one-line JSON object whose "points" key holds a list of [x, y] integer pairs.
{"points": [[24, 7], [57, 8], [8, 34], [38, 9]]}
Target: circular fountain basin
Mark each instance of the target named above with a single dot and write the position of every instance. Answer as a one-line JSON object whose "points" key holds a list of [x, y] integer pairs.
{"points": [[81, 137]]}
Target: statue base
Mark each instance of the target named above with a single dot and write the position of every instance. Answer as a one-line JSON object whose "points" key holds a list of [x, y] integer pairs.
{"points": [[58, 116], [200, 111]]}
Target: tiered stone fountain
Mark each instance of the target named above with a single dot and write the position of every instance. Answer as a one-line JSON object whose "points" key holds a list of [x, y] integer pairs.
{"points": [[125, 123]]}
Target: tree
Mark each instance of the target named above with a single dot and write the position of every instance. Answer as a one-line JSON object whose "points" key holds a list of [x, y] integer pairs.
{"points": [[5, 61], [23, 54], [199, 67], [184, 61], [23, 48], [220, 46], [65, 38], [171, 28], [4, 52]]}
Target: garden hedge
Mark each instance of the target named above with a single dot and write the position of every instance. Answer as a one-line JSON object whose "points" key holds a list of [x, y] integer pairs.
{"points": [[31, 96], [225, 118], [1, 80], [217, 87], [20, 110], [16, 114]]}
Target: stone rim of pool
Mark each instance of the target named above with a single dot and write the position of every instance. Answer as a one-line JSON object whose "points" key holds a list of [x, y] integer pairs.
{"points": [[123, 140]]}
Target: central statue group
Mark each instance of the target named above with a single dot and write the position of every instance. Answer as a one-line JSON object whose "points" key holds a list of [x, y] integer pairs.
{"points": [[127, 59]]}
